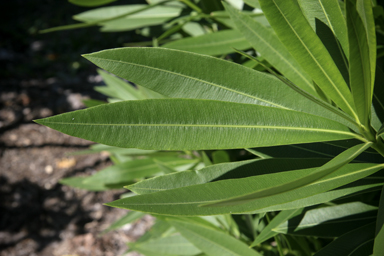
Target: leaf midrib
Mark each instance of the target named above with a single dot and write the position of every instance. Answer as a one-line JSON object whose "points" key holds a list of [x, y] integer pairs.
{"points": [[213, 126]]}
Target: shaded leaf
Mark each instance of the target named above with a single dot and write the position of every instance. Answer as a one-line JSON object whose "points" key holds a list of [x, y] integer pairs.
{"points": [[351, 242], [213, 242], [332, 221]]}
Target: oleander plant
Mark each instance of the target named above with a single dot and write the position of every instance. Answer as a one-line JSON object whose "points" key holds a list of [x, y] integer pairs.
{"points": [[281, 154]]}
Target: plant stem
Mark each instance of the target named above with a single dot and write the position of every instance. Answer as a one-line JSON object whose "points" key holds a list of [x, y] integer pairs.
{"points": [[279, 247], [191, 5], [249, 220]]}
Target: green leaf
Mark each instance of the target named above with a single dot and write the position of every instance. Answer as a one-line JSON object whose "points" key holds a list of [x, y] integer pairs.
{"points": [[169, 245], [321, 198], [149, 17], [356, 242], [186, 201], [223, 171], [328, 12], [364, 8], [128, 171], [378, 101], [92, 103], [128, 218], [378, 247], [253, 3], [96, 148], [118, 88], [220, 156], [265, 41], [185, 124], [218, 43], [332, 221], [359, 65], [213, 242], [279, 189], [166, 72], [320, 150], [302, 42], [268, 231], [78, 182], [90, 3]]}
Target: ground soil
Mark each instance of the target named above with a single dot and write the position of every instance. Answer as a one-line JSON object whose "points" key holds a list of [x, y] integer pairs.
{"points": [[38, 215]]}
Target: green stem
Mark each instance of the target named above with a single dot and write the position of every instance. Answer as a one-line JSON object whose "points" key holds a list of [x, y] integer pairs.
{"points": [[249, 220], [191, 5], [279, 247]]}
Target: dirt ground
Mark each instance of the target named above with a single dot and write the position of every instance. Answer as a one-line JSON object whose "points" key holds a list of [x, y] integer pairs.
{"points": [[39, 216]]}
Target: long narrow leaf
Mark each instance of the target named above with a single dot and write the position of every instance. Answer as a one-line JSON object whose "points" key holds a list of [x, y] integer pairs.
{"points": [[364, 8], [187, 200], [168, 72], [329, 12], [297, 35], [184, 124], [265, 41], [359, 65], [322, 172], [233, 170]]}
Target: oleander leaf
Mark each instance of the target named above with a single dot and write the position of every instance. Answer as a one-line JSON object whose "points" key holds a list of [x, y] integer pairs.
{"points": [[187, 201], [265, 41], [118, 88], [377, 114], [296, 34], [211, 241], [218, 43], [135, 169], [223, 171], [350, 189], [167, 72], [364, 8], [359, 65], [323, 171], [186, 124], [328, 12]]}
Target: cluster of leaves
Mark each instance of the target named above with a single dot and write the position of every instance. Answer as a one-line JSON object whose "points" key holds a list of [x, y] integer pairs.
{"points": [[282, 162]]}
